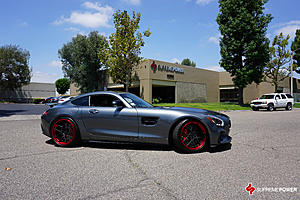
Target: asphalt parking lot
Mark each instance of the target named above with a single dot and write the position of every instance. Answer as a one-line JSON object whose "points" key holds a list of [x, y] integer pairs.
{"points": [[265, 152]]}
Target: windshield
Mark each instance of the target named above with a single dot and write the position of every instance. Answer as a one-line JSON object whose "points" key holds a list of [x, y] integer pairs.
{"points": [[267, 97], [135, 101]]}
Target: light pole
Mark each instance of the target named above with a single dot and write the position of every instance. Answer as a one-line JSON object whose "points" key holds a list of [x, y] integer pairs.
{"points": [[292, 54]]}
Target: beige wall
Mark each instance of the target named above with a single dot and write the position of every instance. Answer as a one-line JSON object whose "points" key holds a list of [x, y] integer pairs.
{"points": [[190, 92], [74, 91], [28, 92]]}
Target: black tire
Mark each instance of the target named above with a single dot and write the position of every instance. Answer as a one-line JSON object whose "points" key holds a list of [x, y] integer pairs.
{"points": [[271, 107], [255, 109], [190, 136], [289, 106], [64, 132]]}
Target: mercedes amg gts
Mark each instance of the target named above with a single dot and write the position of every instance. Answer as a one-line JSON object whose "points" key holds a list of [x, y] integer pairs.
{"points": [[124, 117]]}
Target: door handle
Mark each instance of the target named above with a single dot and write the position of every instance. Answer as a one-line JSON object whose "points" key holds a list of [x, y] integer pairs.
{"points": [[93, 111]]}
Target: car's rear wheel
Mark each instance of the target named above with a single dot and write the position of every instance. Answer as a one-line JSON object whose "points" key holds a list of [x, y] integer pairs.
{"points": [[64, 132], [190, 136], [270, 107], [289, 106]]}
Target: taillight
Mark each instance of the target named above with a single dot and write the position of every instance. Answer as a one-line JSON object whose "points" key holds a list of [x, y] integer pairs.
{"points": [[45, 113]]}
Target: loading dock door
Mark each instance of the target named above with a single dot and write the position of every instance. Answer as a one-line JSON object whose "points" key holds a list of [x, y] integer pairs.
{"points": [[165, 94]]}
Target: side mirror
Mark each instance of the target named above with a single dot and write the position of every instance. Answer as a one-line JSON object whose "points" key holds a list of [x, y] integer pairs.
{"points": [[117, 103], [276, 98]]}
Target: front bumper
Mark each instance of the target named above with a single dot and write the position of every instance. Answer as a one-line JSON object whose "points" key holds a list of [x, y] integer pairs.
{"points": [[220, 136], [259, 105], [45, 126], [224, 139]]}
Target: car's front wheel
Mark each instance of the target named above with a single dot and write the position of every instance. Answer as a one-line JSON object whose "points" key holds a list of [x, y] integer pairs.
{"points": [[64, 132], [190, 136]]}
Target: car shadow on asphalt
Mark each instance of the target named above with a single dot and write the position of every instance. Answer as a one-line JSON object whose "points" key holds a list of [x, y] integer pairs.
{"points": [[140, 146]]}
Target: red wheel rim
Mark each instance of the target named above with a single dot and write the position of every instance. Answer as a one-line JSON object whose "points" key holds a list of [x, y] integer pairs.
{"points": [[193, 135], [63, 131]]}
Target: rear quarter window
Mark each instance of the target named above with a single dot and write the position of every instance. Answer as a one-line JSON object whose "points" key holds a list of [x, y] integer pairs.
{"points": [[289, 96], [83, 101], [283, 96]]}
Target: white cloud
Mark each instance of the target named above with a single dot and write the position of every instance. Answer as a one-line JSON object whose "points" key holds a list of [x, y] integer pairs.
{"points": [[43, 77], [73, 29], [203, 2], [133, 2], [294, 22], [175, 60], [289, 28], [214, 39], [55, 63], [98, 17], [215, 68]]}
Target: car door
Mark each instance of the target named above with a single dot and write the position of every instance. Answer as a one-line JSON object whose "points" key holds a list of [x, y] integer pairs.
{"points": [[103, 121], [284, 100], [278, 102]]}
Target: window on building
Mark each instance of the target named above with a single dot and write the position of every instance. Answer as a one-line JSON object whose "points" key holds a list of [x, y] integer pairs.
{"points": [[229, 95], [279, 89]]}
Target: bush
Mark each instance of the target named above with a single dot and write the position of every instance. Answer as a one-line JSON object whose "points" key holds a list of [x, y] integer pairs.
{"points": [[62, 85], [37, 100], [156, 100]]}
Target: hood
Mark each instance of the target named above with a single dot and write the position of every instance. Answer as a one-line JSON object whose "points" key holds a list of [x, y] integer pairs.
{"points": [[197, 110], [260, 100]]}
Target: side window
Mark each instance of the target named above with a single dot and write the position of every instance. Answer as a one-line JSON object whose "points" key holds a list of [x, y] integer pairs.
{"points": [[103, 100], [283, 96], [83, 101], [277, 97], [289, 96]]}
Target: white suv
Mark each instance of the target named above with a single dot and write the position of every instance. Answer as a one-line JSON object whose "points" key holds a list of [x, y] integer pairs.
{"points": [[273, 101]]}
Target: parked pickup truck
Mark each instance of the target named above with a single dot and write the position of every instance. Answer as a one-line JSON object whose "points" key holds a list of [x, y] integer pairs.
{"points": [[273, 101]]}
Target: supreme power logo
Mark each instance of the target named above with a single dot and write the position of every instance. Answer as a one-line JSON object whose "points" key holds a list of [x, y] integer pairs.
{"points": [[250, 189]]}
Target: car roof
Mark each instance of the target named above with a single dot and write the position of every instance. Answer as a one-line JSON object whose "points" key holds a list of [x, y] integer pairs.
{"points": [[117, 93], [274, 93]]}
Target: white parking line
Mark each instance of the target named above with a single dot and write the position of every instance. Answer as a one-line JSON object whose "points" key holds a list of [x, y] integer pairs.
{"points": [[20, 117]]}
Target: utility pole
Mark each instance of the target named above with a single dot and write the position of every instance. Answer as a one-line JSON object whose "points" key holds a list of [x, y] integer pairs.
{"points": [[292, 73]]}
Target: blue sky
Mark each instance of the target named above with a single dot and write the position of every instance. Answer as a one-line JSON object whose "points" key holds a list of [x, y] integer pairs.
{"points": [[180, 28]]}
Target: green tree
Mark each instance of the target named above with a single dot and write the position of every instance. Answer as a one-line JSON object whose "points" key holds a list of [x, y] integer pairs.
{"points": [[244, 46], [14, 67], [277, 69], [62, 85], [125, 47], [296, 49], [188, 62], [81, 63]]}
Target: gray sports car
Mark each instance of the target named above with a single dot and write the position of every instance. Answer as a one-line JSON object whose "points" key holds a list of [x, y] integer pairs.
{"points": [[111, 116]]}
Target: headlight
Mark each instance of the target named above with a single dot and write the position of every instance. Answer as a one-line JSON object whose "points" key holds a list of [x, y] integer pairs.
{"points": [[217, 121]]}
